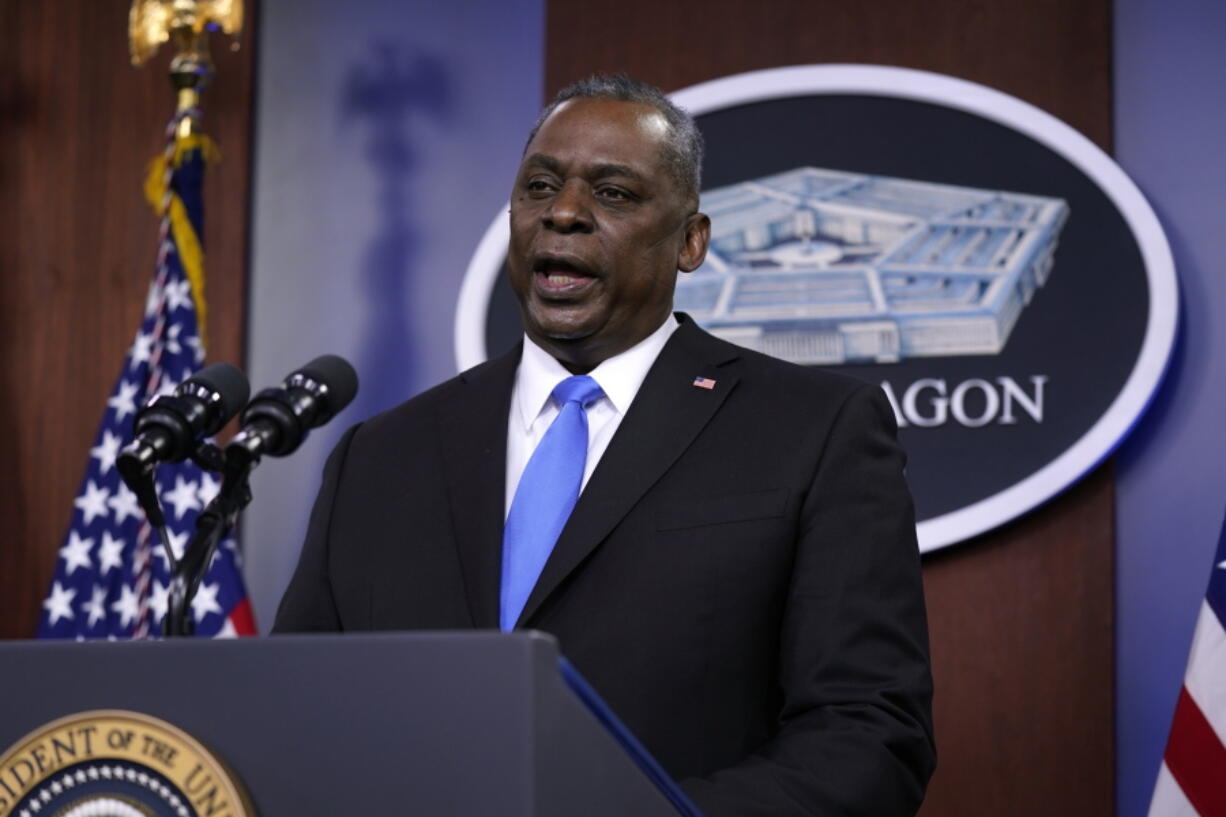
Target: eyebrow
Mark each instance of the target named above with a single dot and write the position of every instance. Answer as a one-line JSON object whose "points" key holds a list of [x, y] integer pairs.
{"points": [[600, 171]]}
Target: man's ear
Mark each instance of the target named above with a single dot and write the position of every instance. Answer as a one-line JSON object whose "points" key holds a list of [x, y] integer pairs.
{"points": [[697, 237]]}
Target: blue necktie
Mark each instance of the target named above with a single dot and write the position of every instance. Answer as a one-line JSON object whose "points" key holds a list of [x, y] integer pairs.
{"points": [[546, 494]]}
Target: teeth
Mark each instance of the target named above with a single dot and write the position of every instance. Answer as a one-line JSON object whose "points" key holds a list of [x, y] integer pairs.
{"points": [[559, 278]]}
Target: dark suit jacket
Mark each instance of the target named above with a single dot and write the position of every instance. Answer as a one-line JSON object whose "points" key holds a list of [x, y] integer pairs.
{"points": [[739, 579]]}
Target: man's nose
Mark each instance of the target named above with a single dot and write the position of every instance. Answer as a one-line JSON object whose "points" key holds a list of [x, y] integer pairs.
{"points": [[570, 211]]}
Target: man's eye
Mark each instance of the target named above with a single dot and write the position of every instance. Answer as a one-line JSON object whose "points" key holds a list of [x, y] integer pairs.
{"points": [[537, 186], [614, 193]]}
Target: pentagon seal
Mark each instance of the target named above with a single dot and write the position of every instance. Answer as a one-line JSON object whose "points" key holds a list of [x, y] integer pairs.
{"points": [[114, 763], [998, 275]]}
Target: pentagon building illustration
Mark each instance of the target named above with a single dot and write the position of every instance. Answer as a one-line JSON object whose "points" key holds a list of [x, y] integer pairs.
{"points": [[825, 267]]}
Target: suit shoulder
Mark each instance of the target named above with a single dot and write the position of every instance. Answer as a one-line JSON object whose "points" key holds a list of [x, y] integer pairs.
{"points": [[421, 411], [407, 414]]}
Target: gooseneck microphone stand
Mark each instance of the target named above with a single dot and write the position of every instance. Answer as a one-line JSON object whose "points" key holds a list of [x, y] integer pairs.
{"points": [[212, 526]]}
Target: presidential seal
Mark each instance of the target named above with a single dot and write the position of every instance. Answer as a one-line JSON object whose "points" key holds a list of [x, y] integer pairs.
{"points": [[113, 763]]}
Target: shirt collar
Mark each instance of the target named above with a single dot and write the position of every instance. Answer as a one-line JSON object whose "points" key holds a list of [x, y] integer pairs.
{"points": [[619, 377]]}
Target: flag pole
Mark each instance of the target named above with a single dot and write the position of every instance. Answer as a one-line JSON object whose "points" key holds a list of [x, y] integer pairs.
{"points": [[108, 582], [185, 24]]}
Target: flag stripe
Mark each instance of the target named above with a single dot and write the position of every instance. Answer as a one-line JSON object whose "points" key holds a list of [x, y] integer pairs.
{"points": [[1206, 674], [1194, 768], [1197, 759], [242, 619], [1169, 800]]}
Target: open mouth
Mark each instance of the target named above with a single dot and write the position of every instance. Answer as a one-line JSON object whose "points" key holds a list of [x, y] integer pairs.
{"points": [[561, 276]]}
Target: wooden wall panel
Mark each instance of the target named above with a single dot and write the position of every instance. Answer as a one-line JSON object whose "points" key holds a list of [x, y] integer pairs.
{"points": [[1053, 53], [1022, 618], [1022, 627], [78, 125]]}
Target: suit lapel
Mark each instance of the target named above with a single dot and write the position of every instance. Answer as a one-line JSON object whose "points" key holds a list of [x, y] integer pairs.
{"points": [[474, 423], [666, 416]]}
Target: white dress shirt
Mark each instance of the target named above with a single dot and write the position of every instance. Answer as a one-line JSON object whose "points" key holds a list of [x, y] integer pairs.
{"points": [[532, 409]]}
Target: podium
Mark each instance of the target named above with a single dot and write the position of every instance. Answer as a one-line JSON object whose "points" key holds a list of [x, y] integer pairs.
{"points": [[453, 724]]}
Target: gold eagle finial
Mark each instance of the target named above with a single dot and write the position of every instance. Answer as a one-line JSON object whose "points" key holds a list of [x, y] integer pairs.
{"points": [[153, 22], [187, 22]]}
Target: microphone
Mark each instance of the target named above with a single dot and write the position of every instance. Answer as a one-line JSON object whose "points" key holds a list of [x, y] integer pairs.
{"points": [[168, 428], [274, 423], [278, 419]]}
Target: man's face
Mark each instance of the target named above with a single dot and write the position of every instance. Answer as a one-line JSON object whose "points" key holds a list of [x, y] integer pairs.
{"points": [[599, 228]]}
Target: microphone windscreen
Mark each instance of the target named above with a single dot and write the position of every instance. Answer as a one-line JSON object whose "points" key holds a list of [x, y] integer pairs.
{"points": [[340, 378], [229, 382]]}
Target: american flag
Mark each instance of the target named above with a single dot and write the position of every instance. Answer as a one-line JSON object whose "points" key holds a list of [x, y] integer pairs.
{"points": [[1192, 781], [111, 579]]}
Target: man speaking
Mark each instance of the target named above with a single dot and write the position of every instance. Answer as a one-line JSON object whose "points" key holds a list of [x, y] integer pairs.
{"points": [[722, 543]]}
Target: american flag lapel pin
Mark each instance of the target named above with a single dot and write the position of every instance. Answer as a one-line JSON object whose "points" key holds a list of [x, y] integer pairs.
{"points": [[704, 383]]}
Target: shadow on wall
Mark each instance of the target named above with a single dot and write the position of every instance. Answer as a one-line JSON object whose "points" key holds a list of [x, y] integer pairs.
{"points": [[386, 94], [1174, 385]]}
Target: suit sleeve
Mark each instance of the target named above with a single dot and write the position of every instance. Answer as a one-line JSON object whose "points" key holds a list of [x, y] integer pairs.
{"points": [[308, 604], [855, 733]]}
